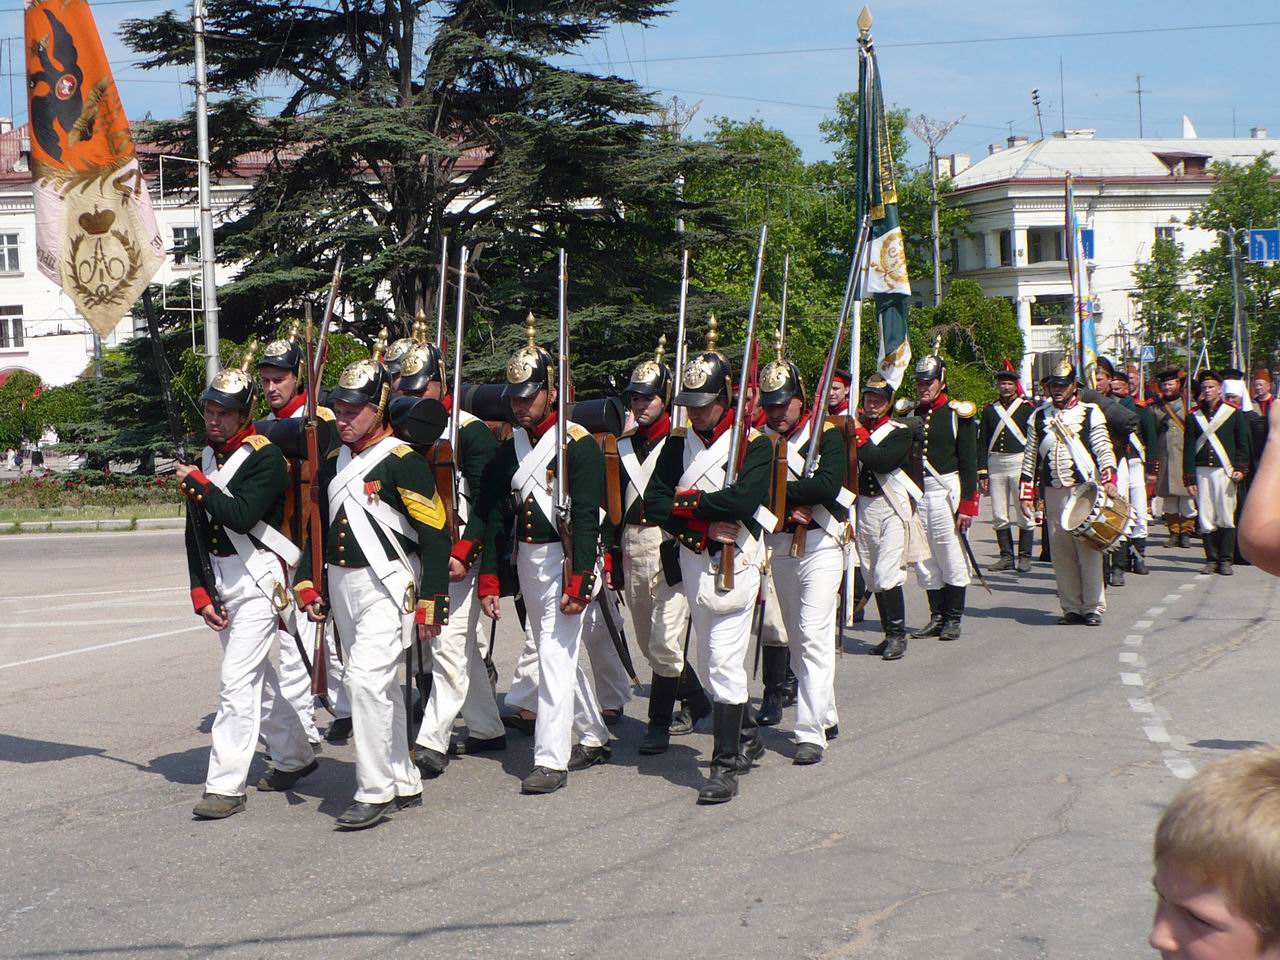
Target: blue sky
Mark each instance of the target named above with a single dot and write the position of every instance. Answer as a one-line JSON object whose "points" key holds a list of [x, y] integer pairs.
{"points": [[1203, 73]]}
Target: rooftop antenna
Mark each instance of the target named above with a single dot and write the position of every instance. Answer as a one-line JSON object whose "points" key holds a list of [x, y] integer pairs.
{"points": [[1139, 92], [1062, 94], [1035, 102]]}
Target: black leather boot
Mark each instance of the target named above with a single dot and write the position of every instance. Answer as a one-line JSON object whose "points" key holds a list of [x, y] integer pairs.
{"points": [[952, 611], [1138, 557], [791, 686], [694, 703], [1026, 540], [893, 614], [1226, 550], [662, 701], [1046, 555], [722, 784], [1005, 540], [1211, 554], [775, 685], [934, 627], [1113, 567], [878, 649], [752, 743]]}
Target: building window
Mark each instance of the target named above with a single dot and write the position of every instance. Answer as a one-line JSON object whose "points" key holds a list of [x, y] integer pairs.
{"points": [[11, 334], [1051, 310], [1044, 245], [9, 262], [1166, 233], [1006, 248], [186, 245]]}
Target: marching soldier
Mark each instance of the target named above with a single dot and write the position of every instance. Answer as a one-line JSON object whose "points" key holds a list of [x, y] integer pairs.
{"points": [[1215, 458], [807, 568], [838, 395], [659, 610], [386, 547], [1122, 424], [950, 496], [688, 498], [1002, 439], [556, 593], [1177, 503], [886, 511], [1067, 446], [240, 486], [280, 374], [459, 678], [1139, 447]]}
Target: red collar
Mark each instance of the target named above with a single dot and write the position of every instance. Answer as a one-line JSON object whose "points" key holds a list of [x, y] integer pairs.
{"points": [[804, 418], [939, 402], [290, 408], [370, 438], [228, 446], [547, 423], [841, 408], [658, 429], [718, 431], [872, 425], [447, 402]]}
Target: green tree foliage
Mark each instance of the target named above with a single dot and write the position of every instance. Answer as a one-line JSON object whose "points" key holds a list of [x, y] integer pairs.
{"points": [[1162, 301], [19, 420]]}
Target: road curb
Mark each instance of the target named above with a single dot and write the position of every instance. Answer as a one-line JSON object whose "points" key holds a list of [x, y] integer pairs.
{"points": [[93, 526]]}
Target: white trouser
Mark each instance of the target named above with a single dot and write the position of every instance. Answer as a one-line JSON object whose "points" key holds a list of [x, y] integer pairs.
{"points": [[1184, 507], [882, 538], [371, 625], [1215, 498], [1003, 470], [721, 622], [806, 592], [566, 704], [523, 694], [295, 679], [1134, 489], [659, 613], [774, 631], [459, 678], [609, 676], [246, 670], [947, 565], [1077, 567]]}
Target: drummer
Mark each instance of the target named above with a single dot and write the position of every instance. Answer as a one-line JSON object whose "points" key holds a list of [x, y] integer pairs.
{"points": [[1069, 452]]}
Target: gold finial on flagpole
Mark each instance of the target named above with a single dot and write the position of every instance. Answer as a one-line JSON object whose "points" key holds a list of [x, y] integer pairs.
{"points": [[864, 23]]}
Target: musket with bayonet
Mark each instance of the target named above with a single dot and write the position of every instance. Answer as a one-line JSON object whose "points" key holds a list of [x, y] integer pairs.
{"points": [[564, 518], [317, 353], [440, 293], [677, 413], [741, 426]]}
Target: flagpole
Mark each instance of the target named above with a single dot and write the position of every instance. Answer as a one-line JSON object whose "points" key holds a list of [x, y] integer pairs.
{"points": [[862, 204], [208, 282]]}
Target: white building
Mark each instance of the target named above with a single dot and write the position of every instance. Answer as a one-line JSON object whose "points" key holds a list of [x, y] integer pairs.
{"points": [[1129, 192]]}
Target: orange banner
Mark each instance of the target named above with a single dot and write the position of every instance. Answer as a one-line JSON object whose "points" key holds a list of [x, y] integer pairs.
{"points": [[96, 233]]}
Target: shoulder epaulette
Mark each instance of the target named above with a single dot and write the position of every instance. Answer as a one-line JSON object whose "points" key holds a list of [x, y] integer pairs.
{"points": [[578, 432], [324, 413], [257, 441], [964, 408], [466, 419], [401, 451], [753, 435], [828, 425]]}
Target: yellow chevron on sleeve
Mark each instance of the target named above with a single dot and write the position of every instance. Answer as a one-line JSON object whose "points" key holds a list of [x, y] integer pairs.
{"points": [[430, 513]]}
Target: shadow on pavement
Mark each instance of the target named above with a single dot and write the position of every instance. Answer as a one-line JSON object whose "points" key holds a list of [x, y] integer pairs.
{"points": [[26, 750], [1228, 744]]}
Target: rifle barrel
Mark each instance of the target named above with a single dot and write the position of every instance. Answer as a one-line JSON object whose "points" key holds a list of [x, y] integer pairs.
{"points": [[735, 444], [455, 411], [444, 283], [677, 413]]}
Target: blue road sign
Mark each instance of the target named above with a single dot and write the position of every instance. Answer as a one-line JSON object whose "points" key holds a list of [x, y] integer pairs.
{"points": [[1086, 242], [1148, 353], [1264, 246]]}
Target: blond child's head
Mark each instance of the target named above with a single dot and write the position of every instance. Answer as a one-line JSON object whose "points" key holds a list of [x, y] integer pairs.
{"points": [[1217, 860]]}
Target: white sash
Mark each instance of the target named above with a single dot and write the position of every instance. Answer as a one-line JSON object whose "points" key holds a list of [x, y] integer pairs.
{"points": [[530, 479], [796, 456], [346, 489], [704, 468], [1209, 433], [638, 473], [1136, 442], [1007, 423], [261, 563], [895, 483]]}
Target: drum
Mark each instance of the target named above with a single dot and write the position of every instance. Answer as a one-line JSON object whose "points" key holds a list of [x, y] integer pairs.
{"points": [[1100, 520]]}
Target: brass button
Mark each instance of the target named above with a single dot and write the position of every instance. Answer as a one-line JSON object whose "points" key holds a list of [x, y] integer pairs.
{"points": [[343, 521], [342, 535]]}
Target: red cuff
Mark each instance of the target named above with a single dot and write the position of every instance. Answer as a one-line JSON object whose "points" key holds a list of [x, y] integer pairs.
{"points": [[608, 561], [465, 552], [487, 585], [434, 612], [200, 598], [685, 502], [306, 594], [580, 585], [1109, 475], [969, 508], [699, 525], [862, 434], [196, 485], [1026, 490]]}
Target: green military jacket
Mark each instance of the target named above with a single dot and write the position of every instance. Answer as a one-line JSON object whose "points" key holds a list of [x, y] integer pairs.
{"points": [[686, 514], [951, 442], [1146, 433], [256, 492], [477, 447], [404, 482], [497, 506], [891, 452], [824, 486], [1233, 434], [993, 437]]}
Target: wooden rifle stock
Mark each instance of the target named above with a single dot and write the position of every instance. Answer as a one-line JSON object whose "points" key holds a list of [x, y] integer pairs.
{"points": [[320, 658], [440, 457], [612, 477]]}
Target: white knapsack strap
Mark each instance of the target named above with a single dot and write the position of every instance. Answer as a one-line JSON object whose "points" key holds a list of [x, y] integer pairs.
{"points": [[703, 462], [530, 479], [1007, 423], [347, 488], [262, 563], [1209, 433], [638, 473]]}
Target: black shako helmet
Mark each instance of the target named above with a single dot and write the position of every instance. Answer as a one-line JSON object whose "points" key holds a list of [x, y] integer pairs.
{"points": [[285, 353], [420, 367], [706, 376], [530, 368], [780, 379], [879, 386], [653, 378], [232, 387]]}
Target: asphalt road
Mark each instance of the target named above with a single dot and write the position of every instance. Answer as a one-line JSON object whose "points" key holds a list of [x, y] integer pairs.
{"points": [[993, 797]]}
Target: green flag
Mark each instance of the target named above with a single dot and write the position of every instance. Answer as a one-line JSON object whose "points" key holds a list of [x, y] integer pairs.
{"points": [[885, 266]]}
